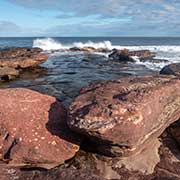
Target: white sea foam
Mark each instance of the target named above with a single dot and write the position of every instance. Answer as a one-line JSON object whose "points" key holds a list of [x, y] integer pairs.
{"points": [[153, 66], [170, 53], [48, 44], [162, 48], [51, 44]]}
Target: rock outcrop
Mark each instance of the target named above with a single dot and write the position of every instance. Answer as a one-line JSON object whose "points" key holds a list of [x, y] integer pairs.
{"points": [[12, 60], [89, 49], [123, 116], [21, 58], [171, 69], [33, 130], [125, 55]]}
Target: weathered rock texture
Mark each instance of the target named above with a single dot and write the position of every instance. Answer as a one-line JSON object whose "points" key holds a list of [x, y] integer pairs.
{"points": [[14, 60], [171, 69], [123, 116], [33, 130], [90, 166], [21, 57]]}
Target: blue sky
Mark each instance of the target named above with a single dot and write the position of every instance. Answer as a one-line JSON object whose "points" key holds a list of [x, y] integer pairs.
{"points": [[89, 18]]}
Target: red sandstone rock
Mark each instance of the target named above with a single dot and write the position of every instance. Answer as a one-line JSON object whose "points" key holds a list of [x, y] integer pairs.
{"points": [[33, 130], [122, 116]]}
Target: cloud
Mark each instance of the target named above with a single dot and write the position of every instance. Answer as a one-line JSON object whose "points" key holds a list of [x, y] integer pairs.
{"points": [[105, 8], [134, 17], [7, 27]]}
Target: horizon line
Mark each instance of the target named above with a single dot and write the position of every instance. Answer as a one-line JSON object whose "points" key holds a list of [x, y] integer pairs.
{"points": [[89, 36]]}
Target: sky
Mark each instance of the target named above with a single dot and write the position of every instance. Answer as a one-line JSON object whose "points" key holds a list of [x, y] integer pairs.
{"points": [[58, 18]]}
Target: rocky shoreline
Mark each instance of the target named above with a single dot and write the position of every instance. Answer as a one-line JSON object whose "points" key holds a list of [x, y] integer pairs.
{"points": [[15, 60], [126, 128]]}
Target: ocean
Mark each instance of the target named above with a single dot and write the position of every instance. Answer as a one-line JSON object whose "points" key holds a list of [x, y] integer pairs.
{"points": [[65, 73], [166, 48]]}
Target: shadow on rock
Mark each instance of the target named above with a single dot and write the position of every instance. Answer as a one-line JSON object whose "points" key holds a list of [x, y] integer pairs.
{"points": [[58, 126]]}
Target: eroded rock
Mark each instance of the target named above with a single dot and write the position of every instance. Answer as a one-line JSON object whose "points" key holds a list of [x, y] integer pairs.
{"points": [[33, 130], [20, 58], [124, 115]]}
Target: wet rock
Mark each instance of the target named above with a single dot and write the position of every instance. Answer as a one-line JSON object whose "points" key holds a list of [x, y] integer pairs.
{"points": [[126, 55], [123, 116], [7, 73], [121, 56], [171, 69], [33, 130], [21, 58]]}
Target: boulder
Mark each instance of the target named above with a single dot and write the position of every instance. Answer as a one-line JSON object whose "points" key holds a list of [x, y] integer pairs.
{"points": [[33, 130], [20, 58], [90, 166], [171, 69], [123, 116], [7, 73]]}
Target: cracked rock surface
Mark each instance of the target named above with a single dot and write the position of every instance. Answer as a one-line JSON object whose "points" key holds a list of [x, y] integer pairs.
{"points": [[33, 130], [122, 116]]}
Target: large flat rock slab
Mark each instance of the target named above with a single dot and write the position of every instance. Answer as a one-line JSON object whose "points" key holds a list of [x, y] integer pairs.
{"points": [[33, 130], [123, 116]]}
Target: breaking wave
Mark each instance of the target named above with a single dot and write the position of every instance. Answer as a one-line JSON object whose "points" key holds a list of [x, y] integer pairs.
{"points": [[52, 44], [170, 53]]}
